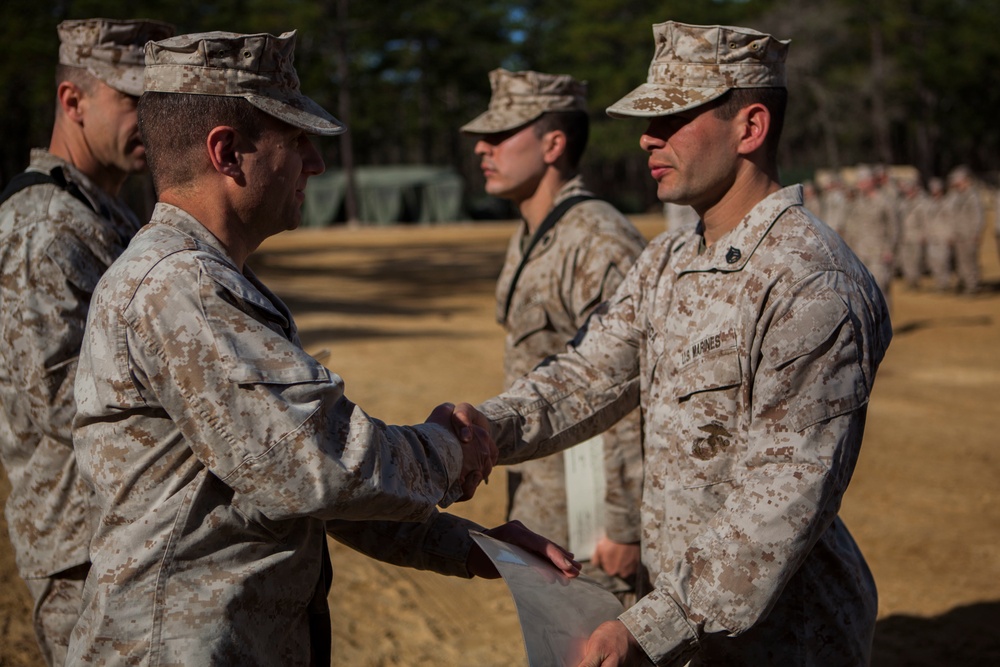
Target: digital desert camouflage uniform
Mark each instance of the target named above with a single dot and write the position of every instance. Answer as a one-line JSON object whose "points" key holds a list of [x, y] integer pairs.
{"points": [[915, 211], [835, 202], [872, 230], [574, 267], [567, 273], [56, 240], [963, 212], [54, 250], [222, 454], [753, 360], [940, 236]]}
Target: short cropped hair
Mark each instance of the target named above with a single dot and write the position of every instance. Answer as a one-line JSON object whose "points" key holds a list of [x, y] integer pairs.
{"points": [[174, 127], [574, 124], [78, 76], [776, 101]]}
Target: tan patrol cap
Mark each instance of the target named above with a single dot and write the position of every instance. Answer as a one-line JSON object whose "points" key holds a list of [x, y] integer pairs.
{"points": [[259, 68], [521, 97], [109, 49], [695, 64]]}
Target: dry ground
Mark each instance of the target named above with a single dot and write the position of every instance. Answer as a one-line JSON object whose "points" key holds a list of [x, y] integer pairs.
{"points": [[407, 314]]}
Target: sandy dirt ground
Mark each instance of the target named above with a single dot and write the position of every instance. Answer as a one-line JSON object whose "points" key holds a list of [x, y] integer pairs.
{"points": [[406, 314]]}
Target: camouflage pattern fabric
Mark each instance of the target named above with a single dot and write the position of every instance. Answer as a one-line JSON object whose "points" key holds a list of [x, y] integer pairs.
{"points": [[940, 243], [695, 64], [258, 68], [872, 230], [520, 97], [573, 268], [963, 213], [915, 217], [221, 454], [835, 209], [53, 250], [109, 49], [753, 361]]}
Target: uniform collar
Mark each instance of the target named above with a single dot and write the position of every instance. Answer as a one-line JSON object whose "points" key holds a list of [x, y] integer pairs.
{"points": [[571, 188], [734, 249], [184, 222]]}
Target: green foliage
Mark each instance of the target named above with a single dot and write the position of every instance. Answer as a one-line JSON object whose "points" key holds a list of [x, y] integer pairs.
{"points": [[903, 80]]}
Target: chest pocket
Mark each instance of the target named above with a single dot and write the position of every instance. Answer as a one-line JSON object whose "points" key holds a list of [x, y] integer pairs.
{"points": [[252, 336], [710, 441]]}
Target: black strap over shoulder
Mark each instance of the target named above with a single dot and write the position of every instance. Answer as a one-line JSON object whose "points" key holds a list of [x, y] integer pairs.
{"points": [[548, 223], [26, 179]]}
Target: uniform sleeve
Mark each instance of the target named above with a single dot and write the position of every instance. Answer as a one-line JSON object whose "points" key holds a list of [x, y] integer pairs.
{"points": [[44, 317], [598, 268], [440, 544], [577, 394], [809, 395], [51, 321], [266, 418], [595, 269]]}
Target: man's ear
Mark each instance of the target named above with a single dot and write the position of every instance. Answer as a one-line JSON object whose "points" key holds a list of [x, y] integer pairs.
{"points": [[756, 124], [553, 146], [71, 100], [223, 145]]}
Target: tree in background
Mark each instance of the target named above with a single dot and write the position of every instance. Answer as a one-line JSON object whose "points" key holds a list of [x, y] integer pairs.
{"points": [[901, 81]]}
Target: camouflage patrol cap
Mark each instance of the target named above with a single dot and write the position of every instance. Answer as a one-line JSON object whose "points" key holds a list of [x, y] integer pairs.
{"points": [[109, 49], [695, 64], [259, 68], [521, 97]]}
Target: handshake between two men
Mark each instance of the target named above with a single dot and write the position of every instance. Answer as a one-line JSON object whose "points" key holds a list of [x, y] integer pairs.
{"points": [[479, 455]]}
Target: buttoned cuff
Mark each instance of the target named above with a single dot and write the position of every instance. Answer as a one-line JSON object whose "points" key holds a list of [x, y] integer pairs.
{"points": [[663, 631]]}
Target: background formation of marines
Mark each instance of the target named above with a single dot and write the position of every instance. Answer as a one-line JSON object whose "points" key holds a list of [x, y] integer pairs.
{"points": [[901, 225]]}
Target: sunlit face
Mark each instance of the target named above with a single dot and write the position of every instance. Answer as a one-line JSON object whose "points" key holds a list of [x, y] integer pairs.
{"points": [[513, 163], [277, 168], [111, 129], [692, 156]]}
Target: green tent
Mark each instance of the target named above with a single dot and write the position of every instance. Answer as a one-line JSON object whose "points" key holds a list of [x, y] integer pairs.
{"points": [[387, 195]]}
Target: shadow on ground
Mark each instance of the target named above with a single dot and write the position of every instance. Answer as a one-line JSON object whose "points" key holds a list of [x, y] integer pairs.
{"points": [[967, 636]]}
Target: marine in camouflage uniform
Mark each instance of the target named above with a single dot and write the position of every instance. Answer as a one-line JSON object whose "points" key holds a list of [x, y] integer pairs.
{"points": [[574, 266], [58, 235], [835, 202], [964, 212], [221, 453], [915, 211], [873, 228], [751, 345], [940, 236]]}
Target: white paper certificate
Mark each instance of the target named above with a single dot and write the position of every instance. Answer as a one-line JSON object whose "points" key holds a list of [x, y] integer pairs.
{"points": [[556, 613], [585, 488]]}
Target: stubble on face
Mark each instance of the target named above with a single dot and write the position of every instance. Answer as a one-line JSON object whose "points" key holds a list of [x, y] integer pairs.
{"points": [[690, 157]]}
